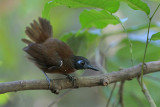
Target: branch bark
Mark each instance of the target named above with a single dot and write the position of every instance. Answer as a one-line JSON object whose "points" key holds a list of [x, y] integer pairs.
{"points": [[89, 81]]}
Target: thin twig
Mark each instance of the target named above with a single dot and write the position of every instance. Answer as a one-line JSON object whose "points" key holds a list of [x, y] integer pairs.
{"points": [[144, 88], [59, 97], [130, 43], [121, 93], [147, 95], [109, 99], [147, 42]]}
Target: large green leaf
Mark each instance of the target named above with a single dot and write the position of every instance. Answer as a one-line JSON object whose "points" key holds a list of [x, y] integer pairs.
{"points": [[109, 5], [46, 10], [98, 19], [138, 5], [156, 36]]}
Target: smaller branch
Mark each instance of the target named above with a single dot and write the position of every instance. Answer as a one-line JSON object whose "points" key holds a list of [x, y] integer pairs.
{"points": [[114, 86], [121, 94], [147, 42], [147, 94], [154, 12], [59, 97], [145, 51], [130, 43], [144, 88]]}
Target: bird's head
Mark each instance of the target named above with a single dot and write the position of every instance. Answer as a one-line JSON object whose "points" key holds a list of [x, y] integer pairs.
{"points": [[82, 63]]}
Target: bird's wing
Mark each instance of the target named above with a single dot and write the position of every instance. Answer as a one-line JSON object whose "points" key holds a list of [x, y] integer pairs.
{"points": [[43, 59]]}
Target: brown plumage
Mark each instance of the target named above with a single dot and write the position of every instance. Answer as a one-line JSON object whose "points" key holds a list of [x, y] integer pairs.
{"points": [[49, 54]]}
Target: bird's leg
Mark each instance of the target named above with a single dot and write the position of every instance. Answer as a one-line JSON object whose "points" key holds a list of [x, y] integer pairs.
{"points": [[53, 90], [48, 79], [72, 78]]}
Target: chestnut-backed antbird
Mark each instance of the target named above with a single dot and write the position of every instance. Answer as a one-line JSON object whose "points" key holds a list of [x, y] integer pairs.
{"points": [[49, 54]]}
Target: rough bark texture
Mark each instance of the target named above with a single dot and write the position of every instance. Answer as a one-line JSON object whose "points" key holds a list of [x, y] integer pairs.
{"points": [[89, 81]]}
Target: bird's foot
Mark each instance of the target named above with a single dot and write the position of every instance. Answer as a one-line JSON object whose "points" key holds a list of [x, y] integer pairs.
{"points": [[50, 86], [73, 79]]}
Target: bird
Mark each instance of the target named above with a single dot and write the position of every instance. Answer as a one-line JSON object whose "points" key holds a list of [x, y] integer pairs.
{"points": [[50, 54]]}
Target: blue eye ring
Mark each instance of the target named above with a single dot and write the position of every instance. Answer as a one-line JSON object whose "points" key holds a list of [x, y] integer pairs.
{"points": [[81, 62]]}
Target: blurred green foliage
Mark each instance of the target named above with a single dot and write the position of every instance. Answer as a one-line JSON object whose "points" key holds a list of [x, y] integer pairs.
{"points": [[67, 18], [156, 36]]}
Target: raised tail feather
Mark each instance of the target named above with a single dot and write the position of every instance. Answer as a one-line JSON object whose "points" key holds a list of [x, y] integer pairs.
{"points": [[39, 31]]}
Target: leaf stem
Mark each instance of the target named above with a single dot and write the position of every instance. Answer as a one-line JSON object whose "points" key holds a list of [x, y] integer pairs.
{"points": [[144, 88], [130, 43], [147, 42]]}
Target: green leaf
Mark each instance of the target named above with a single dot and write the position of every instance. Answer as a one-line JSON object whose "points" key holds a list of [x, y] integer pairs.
{"points": [[3, 99], [98, 19], [138, 5], [85, 40], [65, 37], [46, 10], [109, 5], [156, 36]]}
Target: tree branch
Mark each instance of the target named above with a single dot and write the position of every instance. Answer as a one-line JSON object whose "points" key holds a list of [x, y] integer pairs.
{"points": [[89, 81]]}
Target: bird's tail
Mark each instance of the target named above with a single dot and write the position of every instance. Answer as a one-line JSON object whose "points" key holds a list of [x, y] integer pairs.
{"points": [[39, 31]]}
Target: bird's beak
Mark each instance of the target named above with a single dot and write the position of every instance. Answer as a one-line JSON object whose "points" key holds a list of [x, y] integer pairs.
{"points": [[93, 68]]}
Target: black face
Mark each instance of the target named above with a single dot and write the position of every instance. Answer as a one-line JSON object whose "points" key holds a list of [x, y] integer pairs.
{"points": [[83, 63]]}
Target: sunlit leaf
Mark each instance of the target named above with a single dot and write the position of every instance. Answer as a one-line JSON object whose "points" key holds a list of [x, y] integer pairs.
{"points": [[138, 5], [46, 10], [3, 99], [156, 36], [109, 5], [98, 19]]}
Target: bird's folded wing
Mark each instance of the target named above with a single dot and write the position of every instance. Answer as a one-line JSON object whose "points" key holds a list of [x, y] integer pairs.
{"points": [[43, 59]]}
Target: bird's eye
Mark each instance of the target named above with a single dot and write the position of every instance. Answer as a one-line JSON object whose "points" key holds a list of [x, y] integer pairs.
{"points": [[81, 62]]}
